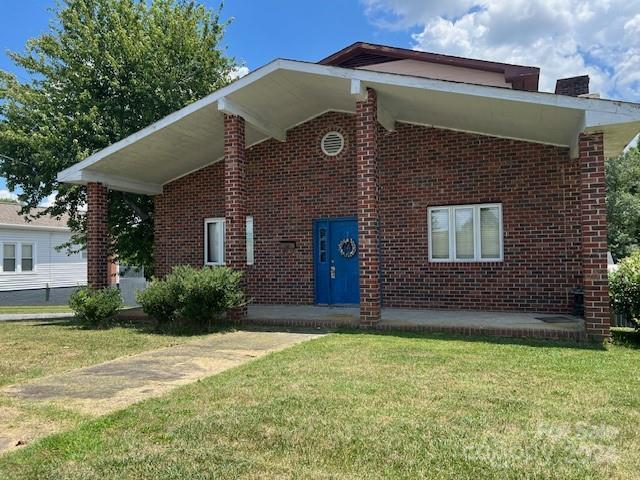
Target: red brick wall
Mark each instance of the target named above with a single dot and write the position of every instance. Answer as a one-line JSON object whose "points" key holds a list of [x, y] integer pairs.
{"points": [[97, 236], [538, 187], [594, 235], [290, 184], [367, 173], [179, 217], [235, 186]]}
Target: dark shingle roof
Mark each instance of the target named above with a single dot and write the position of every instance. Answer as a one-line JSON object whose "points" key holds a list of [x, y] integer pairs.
{"points": [[360, 54]]}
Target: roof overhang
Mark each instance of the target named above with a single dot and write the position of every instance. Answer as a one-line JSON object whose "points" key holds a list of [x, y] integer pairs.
{"points": [[286, 93], [26, 226], [362, 54]]}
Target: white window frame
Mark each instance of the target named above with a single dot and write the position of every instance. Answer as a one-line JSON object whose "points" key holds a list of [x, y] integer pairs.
{"points": [[207, 221], [18, 257], [33, 257], [250, 258], [16, 254], [477, 258]]}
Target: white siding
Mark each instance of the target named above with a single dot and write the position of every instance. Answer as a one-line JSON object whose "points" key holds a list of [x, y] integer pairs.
{"points": [[51, 267], [441, 72]]}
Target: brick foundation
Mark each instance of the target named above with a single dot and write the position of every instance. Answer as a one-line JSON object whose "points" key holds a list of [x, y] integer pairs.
{"points": [[487, 331], [594, 235], [97, 236]]}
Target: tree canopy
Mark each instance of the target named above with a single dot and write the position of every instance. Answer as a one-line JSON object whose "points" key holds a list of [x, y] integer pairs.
{"points": [[623, 203], [104, 70]]}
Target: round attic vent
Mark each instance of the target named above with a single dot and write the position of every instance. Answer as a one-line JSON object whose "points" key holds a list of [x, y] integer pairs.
{"points": [[332, 144]]}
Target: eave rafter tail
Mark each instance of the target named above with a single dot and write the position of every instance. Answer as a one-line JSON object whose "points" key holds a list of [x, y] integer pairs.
{"points": [[617, 128], [113, 182], [385, 117], [254, 119]]}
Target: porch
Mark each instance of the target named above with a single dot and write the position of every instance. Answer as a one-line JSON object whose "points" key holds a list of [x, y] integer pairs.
{"points": [[508, 324], [252, 151]]}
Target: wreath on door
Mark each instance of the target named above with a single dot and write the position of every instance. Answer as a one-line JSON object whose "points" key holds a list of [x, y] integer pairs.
{"points": [[347, 247]]}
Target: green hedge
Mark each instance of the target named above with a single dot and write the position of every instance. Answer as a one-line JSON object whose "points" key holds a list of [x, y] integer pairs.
{"points": [[94, 307], [196, 295], [624, 288]]}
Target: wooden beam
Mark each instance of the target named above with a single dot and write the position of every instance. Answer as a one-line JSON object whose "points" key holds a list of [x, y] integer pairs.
{"points": [[574, 147], [385, 118], [358, 90], [114, 182], [252, 118]]}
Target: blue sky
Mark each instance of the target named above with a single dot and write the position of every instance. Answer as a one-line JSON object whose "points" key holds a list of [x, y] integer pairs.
{"points": [[260, 31], [564, 38]]}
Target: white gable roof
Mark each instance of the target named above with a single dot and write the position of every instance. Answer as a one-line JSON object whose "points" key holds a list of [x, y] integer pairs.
{"points": [[285, 93]]}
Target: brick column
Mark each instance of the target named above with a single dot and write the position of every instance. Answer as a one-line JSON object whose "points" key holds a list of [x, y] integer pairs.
{"points": [[368, 219], [162, 221], [594, 235], [235, 210], [97, 236]]}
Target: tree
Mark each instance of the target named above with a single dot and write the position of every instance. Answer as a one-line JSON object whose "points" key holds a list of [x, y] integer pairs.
{"points": [[623, 203], [105, 69]]}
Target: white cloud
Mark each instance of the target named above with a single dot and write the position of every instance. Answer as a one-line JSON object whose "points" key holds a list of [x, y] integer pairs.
{"points": [[49, 201], [4, 194], [46, 202], [238, 72], [563, 37]]}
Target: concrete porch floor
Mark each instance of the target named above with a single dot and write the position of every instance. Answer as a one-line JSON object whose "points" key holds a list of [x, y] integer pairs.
{"points": [[456, 321]]}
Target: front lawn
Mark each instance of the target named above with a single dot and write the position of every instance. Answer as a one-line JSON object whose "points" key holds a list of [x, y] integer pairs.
{"points": [[357, 405], [30, 349], [36, 348]]}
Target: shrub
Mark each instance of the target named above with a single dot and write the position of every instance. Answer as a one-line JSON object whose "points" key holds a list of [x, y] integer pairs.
{"points": [[209, 292], [624, 287], [198, 295], [93, 307], [161, 298]]}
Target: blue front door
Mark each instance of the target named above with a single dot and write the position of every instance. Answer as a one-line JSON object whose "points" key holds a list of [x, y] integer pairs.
{"points": [[336, 262]]}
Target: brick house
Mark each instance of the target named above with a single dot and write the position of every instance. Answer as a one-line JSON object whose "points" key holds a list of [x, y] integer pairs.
{"points": [[381, 177]]}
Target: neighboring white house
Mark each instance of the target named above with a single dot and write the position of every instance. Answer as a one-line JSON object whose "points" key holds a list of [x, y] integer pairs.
{"points": [[32, 270]]}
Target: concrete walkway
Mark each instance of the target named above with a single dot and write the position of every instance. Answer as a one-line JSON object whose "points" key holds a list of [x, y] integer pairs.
{"points": [[10, 317], [110, 386]]}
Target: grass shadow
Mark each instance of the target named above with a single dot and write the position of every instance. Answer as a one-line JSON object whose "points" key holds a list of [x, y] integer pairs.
{"points": [[494, 339], [175, 329], [146, 326], [626, 337]]}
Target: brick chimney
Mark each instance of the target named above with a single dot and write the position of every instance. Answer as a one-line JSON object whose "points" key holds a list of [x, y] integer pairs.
{"points": [[573, 86]]}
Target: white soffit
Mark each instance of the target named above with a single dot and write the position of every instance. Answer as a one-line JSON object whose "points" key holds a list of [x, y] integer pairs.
{"points": [[286, 93]]}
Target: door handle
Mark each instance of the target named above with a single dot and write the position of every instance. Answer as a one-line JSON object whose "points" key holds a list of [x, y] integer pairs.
{"points": [[333, 271]]}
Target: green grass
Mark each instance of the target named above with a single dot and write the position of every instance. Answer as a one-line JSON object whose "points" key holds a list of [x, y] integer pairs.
{"points": [[37, 348], [31, 349], [372, 406], [36, 309]]}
